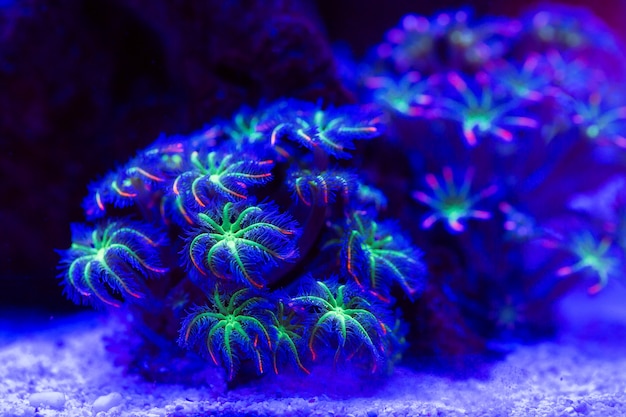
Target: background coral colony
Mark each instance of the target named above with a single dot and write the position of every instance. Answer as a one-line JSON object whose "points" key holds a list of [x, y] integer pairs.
{"points": [[245, 194]]}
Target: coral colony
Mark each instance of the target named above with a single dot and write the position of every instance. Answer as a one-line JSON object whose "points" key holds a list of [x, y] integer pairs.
{"points": [[278, 241]]}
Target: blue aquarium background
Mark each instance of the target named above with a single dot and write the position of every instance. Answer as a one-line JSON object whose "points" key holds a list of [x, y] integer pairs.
{"points": [[280, 201]]}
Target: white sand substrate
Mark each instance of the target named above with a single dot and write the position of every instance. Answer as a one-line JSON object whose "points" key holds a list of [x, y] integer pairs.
{"points": [[62, 369]]}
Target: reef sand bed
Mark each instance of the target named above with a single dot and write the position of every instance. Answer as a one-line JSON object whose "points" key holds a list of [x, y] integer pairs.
{"points": [[61, 368]]}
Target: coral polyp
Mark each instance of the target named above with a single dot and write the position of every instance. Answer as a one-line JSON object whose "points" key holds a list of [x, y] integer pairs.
{"points": [[330, 129], [377, 254], [452, 203], [591, 256], [408, 95], [346, 319], [482, 114], [108, 265], [220, 177], [138, 182], [228, 330], [240, 242], [599, 122], [286, 331], [321, 188]]}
